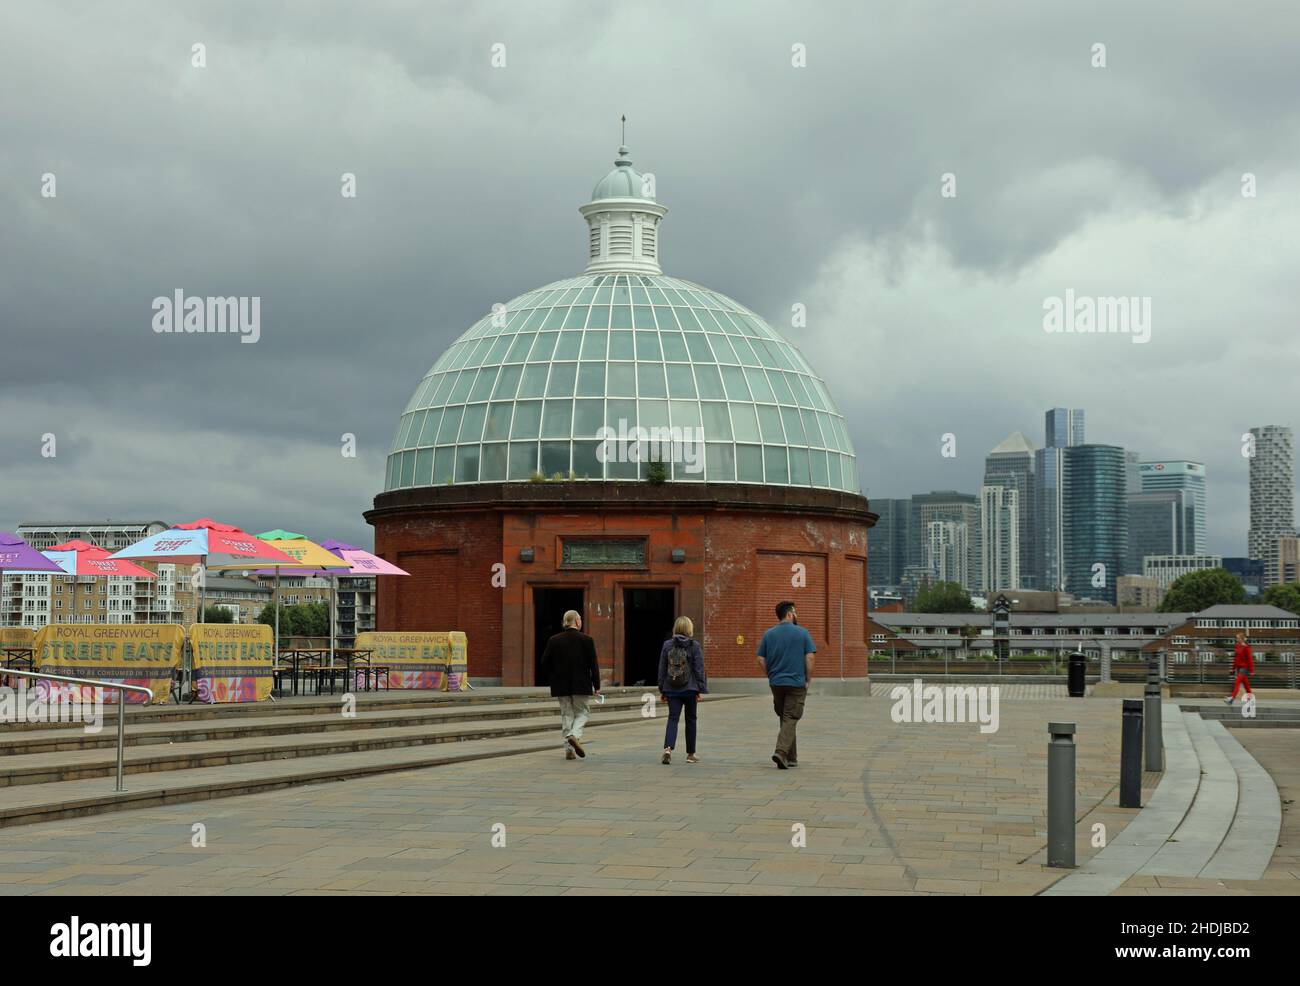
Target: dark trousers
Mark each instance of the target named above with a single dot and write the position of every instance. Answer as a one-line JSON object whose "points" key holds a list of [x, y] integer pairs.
{"points": [[675, 706], [788, 702]]}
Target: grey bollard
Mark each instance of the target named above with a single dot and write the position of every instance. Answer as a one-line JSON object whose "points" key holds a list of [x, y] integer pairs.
{"points": [[1152, 729], [1060, 794], [1130, 756]]}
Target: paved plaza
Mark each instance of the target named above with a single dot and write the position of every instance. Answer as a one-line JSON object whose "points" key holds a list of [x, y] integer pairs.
{"points": [[880, 807]]}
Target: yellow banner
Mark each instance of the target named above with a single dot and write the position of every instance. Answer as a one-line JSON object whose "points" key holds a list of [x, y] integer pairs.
{"points": [[142, 654], [232, 662], [17, 637], [414, 660], [458, 662]]}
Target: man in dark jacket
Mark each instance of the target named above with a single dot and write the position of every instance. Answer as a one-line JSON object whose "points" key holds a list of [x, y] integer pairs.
{"points": [[569, 661]]}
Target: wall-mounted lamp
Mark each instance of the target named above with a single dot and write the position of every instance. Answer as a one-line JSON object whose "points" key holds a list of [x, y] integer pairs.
{"points": [[678, 555], [526, 554]]}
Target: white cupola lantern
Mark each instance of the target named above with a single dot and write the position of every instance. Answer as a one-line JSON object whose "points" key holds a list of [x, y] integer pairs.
{"points": [[623, 221]]}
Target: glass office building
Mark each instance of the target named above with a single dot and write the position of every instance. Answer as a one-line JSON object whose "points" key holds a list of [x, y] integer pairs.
{"points": [[1095, 520]]}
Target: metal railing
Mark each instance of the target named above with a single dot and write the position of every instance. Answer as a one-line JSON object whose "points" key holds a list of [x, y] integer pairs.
{"points": [[107, 685]]}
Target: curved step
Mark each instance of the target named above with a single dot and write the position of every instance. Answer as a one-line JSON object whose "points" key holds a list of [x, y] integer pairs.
{"points": [[1150, 830], [1196, 840], [1250, 842]]}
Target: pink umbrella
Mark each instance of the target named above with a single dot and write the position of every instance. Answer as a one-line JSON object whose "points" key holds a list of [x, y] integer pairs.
{"points": [[90, 559]]}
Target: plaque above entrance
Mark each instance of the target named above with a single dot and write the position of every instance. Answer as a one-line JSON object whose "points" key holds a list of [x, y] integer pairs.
{"points": [[603, 553]]}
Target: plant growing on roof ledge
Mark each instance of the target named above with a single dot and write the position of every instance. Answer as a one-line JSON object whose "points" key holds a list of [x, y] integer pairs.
{"points": [[656, 473]]}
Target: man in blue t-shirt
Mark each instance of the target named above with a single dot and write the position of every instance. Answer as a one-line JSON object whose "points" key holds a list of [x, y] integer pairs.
{"points": [[786, 654]]}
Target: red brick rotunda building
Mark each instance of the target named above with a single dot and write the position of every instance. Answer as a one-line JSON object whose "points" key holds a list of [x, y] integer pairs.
{"points": [[632, 446]]}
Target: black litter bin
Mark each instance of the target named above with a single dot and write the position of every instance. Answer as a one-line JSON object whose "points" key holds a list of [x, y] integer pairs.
{"points": [[1077, 677]]}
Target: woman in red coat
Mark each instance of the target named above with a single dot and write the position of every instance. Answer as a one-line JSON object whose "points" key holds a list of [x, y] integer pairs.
{"points": [[1243, 664]]}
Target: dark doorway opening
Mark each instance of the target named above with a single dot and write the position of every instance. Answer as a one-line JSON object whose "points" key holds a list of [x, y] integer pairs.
{"points": [[648, 616], [549, 607]]}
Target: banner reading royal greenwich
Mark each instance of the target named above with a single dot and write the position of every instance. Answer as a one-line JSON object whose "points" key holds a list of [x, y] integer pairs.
{"points": [[16, 638], [414, 660], [457, 662], [232, 662], [144, 654]]}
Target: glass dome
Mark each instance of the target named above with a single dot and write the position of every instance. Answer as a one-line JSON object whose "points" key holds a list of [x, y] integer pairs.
{"points": [[537, 388]]}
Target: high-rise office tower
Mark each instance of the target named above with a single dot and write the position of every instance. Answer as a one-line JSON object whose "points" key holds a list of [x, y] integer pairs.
{"points": [[999, 539], [1159, 523], [1063, 428], [887, 542], [1272, 495], [946, 505], [1011, 465], [1186, 477], [946, 543], [1095, 518]]}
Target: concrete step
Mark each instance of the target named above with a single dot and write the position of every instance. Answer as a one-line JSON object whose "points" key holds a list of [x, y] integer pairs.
{"points": [[168, 731], [1196, 840], [1248, 847], [26, 804], [68, 765], [321, 705]]}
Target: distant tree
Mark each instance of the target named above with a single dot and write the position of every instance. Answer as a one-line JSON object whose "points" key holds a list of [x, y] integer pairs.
{"points": [[302, 620], [1196, 591], [217, 614], [943, 597], [1285, 596]]}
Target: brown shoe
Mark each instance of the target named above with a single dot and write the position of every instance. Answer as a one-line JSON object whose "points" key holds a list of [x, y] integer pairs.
{"points": [[692, 758], [577, 747], [570, 755]]}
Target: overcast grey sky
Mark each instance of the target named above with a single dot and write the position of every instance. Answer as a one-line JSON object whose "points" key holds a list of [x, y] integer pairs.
{"points": [[816, 185]]}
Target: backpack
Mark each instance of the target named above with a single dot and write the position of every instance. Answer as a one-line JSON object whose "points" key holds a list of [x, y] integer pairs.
{"points": [[679, 665]]}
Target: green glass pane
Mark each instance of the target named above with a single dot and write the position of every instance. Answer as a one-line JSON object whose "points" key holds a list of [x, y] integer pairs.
{"points": [[621, 317], [652, 414], [482, 388], [710, 382], [450, 425], [686, 414], [523, 460], [620, 415], [519, 348], [758, 384], [794, 434], [463, 384], [498, 421], [424, 467], [588, 418], [769, 422], [799, 475], [577, 317], [780, 387], [745, 422], [717, 422], [444, 466], [557, 420], [621, 345], [508, 382], [528, 419], [647, 346], [622, 380], [570, 343], [734, 378], [749, 463], [544, 347], [429, 433], [555, 459], [591, 379], [594, 343], [775, 467], [680, 381], [720, 462], [599, 317], [698, 344], [675, 347], [563, 376], [812, 431], [650, 380], [586, 461], [498, 349], [471, 427], [534, 381], [467, 464], [493, 468], [820, 476], [555, 318]]}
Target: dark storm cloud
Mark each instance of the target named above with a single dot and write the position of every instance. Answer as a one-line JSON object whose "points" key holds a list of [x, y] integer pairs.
{"points": [[225, 181]]}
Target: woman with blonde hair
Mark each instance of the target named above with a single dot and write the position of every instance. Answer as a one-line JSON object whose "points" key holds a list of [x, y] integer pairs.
{"points": [[681, 682]]}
